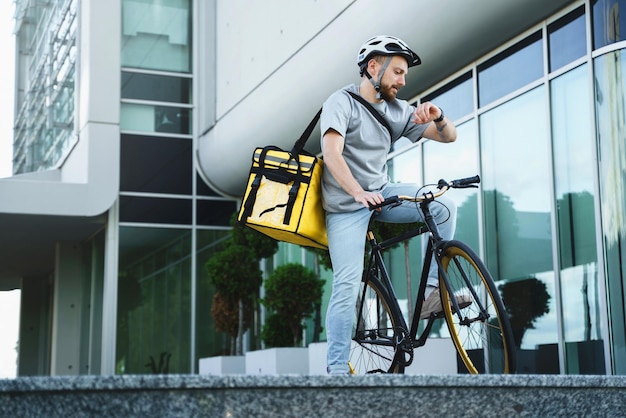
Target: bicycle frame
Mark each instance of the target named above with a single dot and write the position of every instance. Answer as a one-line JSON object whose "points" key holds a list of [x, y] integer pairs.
{"points": [[435, 246], [471, 305]]}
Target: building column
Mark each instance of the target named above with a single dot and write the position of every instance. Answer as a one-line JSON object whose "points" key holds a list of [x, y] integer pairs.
{"points": [[66, 310], [34, 334], [109, 294]]}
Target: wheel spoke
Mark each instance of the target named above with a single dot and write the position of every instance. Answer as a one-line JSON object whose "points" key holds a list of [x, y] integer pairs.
{"points": [[481, 332], [373, 346]]}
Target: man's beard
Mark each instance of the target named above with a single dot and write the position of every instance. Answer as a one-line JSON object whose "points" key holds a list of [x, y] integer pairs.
{"points": [[387, 92]]}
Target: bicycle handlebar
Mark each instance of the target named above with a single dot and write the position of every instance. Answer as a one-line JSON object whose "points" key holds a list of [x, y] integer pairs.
{"points": [[442, 185], [460, 183]]}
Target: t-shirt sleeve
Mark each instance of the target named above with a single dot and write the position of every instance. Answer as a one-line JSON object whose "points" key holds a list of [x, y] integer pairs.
{"points": [[336, 114]]}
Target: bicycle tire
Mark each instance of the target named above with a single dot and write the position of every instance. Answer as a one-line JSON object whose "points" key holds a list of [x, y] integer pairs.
{"points": [[484, 344], [376, 331]]}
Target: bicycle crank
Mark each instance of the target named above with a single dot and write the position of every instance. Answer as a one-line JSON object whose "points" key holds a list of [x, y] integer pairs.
{"points": [[404, 347]]}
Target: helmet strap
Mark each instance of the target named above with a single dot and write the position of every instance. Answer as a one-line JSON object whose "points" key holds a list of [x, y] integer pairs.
{"points": [[376, 84]]}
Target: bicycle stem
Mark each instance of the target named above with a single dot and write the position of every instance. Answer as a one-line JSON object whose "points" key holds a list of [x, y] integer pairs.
{"points": [[430, 220]]}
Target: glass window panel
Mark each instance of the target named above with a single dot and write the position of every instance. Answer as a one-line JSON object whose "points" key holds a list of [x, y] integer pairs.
{"points": [[456, 98], [510, 70], [215, 212], [156, 35], [156, 87], [610, 79], [449, 161], [209, 342], [406, 167], [154, 301], [567, 39], [608, 16], [454, 161], [155, 164], [203, 189], [44, 129], [155, 210], [574, 167], [146, 118], [518, 236]]}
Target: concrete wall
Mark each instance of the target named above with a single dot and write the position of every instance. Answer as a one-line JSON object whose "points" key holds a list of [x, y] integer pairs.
{"points": [[320, 396], [87, 183], [276, 63]]}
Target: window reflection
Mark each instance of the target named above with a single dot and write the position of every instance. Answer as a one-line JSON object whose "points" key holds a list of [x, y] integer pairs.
{"points": [[567, 39], [147, 118], [611, 131], [609, 22], [209, 342], [510, 70], [518, 236], [44, 126], [157, 35], [454, 161], [531, 306], [154, 326], [407, 167], [574, 187], [153, 87], [457, 97]]}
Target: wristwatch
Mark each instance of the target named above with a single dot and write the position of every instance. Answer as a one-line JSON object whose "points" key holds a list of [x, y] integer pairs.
{"points": [[440, 118]]}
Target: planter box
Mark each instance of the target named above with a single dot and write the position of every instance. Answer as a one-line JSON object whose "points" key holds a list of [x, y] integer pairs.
{"points": [[276, 361], [317, 359], [222, 365], [437, 356]]}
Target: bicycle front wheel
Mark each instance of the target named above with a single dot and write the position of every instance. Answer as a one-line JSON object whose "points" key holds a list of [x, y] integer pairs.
{"points": [[480, 330], [377, 332]]}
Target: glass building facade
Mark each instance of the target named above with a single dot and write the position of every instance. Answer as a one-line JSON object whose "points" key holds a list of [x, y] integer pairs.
{"points": [[542, 122], [541, 119], [169, 222], [45, 129]]}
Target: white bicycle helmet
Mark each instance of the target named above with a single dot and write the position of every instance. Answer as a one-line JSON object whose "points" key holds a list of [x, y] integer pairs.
{"points": [[385, 45]]}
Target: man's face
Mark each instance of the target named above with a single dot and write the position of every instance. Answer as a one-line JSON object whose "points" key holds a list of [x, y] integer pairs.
{"points": [[393, 78]]}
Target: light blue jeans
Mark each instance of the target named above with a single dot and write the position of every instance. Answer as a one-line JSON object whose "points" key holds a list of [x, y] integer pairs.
{"points": [[346, 242]]}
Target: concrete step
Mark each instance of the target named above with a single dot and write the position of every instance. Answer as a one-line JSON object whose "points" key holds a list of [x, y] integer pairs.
{"points": [[314, 396]]}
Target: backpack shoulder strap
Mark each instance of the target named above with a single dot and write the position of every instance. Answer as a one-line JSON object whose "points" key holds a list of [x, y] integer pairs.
{"points": [[299, 145], [373, 111]]}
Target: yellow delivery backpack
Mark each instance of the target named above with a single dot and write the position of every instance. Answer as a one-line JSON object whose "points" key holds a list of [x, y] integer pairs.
{"points": [[283, 197]]}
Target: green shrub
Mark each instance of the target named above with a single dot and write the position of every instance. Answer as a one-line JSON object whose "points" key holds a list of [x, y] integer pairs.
{"points": [[291, 292]]}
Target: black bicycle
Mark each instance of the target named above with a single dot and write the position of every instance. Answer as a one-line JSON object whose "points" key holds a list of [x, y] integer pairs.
{"points": [[479, 327]]}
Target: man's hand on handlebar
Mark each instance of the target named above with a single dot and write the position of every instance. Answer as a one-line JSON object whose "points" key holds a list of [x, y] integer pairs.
{"points": [[369, 199], [443, 186]]}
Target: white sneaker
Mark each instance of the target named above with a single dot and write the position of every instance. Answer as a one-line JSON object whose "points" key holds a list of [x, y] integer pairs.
{"points": [[432, 304]]}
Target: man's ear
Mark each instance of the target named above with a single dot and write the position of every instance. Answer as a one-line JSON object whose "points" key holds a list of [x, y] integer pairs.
{"points": [[372, 67]]}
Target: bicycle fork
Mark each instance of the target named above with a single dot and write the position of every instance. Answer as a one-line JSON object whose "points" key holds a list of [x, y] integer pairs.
{"points": [[483, 315], [435, 247]]}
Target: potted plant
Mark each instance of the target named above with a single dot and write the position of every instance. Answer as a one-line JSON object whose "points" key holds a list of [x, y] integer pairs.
{"points": [[292, 292], [234, 272]]}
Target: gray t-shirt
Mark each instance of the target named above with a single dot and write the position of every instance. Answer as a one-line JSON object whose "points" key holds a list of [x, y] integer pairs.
{"points": [[367, 142]]}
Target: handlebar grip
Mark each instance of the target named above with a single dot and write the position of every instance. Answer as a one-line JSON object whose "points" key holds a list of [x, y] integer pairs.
{"points": [[466, 181], [392, 200]]}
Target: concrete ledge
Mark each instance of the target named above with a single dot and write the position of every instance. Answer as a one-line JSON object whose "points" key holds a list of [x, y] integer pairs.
{"points": [[314, 396]]}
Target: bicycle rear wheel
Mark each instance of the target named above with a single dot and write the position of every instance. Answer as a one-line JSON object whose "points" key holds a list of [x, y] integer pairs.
{"points": [[376, 333], [481, 331]]}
